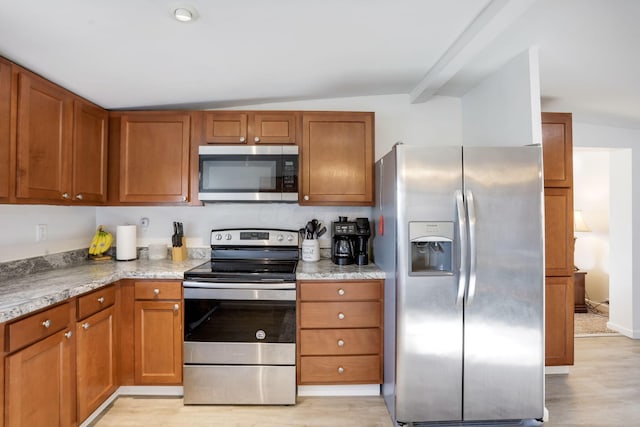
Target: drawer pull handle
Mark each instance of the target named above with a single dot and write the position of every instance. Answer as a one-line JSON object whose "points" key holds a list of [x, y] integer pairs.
{"points": [[156, 291], [340, 291], [101, 300], [68, 334], [176, 307], [86, 326], [340, 343], [340, 316], [47, 323], [340, 369]]}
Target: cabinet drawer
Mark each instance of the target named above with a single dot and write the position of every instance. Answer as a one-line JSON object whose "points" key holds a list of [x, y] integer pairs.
{"points": [[340, 369], [95, 301], [339, 341], [341, 291], [37, 326], [340, 314], [158, 290]]}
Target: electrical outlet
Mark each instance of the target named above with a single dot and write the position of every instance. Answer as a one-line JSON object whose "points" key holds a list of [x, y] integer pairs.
{"points": [[41, 232]]}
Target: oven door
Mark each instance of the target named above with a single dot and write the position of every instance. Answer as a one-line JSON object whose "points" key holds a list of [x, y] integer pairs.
{"points": [[248, 173], [239, 326]]}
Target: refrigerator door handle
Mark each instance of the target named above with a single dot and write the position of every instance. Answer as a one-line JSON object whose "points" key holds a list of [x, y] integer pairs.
{"points": [[462, 227], [471, 209]]}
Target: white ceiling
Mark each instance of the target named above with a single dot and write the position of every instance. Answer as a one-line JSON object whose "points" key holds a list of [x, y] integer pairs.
{"points": [[132, 53]]}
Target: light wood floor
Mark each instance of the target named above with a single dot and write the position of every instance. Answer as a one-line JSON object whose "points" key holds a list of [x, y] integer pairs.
{"points": [[602, 390]]}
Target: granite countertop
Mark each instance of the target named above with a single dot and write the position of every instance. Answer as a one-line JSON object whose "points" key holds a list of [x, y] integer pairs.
{"points": [[31, 292]]}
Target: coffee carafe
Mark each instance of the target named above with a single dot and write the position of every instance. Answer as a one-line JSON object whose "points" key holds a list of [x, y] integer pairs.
{"points": [[343, 241]]}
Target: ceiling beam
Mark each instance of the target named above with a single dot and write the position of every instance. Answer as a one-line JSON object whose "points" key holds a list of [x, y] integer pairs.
{"points": [[490, 22]]}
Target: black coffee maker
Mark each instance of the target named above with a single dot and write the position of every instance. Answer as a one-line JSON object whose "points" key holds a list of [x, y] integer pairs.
{"points": [[350, 241]]}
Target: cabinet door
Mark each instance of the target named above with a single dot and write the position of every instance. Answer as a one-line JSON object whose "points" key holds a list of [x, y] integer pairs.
{"points": [[557, 149], [274, 127], [558, 208], [6, 171], [45, 115], [39, 384], [226, 128], [89, 161], [158, 342], [337, 159], [154, 158], [96, 368], [559, 321]]}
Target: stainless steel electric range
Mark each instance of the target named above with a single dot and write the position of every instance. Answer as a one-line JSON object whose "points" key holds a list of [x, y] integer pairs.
{"points": [[240, 320]]}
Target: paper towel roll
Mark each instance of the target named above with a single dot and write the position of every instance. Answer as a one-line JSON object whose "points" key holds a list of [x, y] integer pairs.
{"points": [[126, 243]]}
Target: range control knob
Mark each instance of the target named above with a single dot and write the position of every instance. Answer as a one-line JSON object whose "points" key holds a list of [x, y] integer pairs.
{"points": [[227, 236], [289, 238], [218, 236], [280, 238]]}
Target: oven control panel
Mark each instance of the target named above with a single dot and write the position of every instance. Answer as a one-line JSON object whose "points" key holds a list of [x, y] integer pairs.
{"points": [[254, 237]]}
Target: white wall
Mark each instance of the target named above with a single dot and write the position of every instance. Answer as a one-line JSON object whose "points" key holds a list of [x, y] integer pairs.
{"points": [[504, 109], [437, 122], [624, 223], [591, 195], [68, 228]]}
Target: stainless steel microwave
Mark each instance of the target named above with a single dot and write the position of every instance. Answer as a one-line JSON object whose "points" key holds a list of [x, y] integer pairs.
{"points": [[252, 173]]}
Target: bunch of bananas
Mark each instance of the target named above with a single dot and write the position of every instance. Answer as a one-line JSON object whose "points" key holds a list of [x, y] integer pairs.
{"points": [[101, 242]]}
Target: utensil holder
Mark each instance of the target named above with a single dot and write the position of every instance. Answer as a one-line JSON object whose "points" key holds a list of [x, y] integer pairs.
{"points": [[310, 250], [179, 253]]}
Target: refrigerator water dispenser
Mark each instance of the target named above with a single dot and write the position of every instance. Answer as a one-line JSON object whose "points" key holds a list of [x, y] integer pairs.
{"points": [[431, 247]]}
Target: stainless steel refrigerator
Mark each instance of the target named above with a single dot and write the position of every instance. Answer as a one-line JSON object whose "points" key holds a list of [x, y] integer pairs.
{"points": [[460, 237]]}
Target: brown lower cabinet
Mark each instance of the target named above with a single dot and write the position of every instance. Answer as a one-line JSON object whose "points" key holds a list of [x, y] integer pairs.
{"points": [[39, 388], [340, 332], [559, 332], [158, 333], [95, 355]]}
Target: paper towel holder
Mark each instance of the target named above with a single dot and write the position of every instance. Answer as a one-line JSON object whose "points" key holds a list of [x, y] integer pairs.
{"points": [[126, 243]]}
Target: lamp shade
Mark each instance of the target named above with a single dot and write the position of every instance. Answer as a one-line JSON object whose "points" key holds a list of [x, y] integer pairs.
{"points": [[578, 222]]}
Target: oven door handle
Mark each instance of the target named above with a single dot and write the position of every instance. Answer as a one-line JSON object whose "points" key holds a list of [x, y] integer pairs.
{"points": [[230, 285], [241, 294]]}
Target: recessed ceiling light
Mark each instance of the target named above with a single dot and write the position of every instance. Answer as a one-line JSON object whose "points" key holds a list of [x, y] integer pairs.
{"points": [[185, 14]]}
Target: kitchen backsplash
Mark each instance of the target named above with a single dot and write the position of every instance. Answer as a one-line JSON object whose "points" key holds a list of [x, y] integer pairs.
{"points": [[43, 263]]}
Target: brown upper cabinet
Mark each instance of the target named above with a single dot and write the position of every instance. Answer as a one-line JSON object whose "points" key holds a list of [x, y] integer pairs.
{"points": [[557, 149], [61, 145], [243, 127], [336, 154], [7, 172], [149, 157]]}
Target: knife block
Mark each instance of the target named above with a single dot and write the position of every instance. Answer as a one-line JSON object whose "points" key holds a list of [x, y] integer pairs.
{"points": [[179, 253]]}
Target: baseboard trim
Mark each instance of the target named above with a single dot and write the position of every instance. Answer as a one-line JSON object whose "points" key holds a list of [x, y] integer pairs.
{"points": [[339, 390], [630, 333], [557, 370]]}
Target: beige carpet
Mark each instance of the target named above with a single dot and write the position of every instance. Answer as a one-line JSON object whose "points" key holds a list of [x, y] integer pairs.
{"points": [[591, 323]]}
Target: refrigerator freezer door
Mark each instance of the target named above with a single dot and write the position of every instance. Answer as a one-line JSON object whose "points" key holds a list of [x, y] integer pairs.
{"points": [[503, 332], [428, 364]]}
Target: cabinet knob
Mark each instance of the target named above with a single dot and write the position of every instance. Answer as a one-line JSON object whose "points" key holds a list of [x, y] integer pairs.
{"points": [[156, 291], [340, 316], [256, 139], [47, 323], [340, 343], [340, 369], [101, 300], [184, 198], [176, 307], [306, 197], [340, 291], [79, 196], [242, 139], [86, 326], [68, 334], [65, 195]]}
